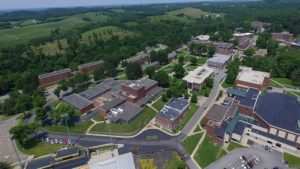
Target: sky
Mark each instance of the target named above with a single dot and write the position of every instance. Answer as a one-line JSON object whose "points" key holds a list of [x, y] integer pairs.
{"points": [[25, 4]]}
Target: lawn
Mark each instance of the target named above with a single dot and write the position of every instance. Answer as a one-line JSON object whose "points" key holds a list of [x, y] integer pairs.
{"points": [[234, 145], [293, 94], [126, 129], [293, 161], [51, 48], [193, 108], [208, 152], [169, 68], [286, 82], [175, 162], [190, 68], [191, 142], [273, 84], [191, 12], [80, 128], [159, 104], [13, 36], [4, 117], [163, 18], [197, 129], [205, 91], [226, 85], [41, 149], [98, 118]]}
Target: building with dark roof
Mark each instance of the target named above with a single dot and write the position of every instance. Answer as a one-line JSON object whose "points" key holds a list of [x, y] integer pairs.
{"points": [[52, 78], [218, 61], [92, 93], [171, 115], [141, 58], [125, 113], [90, 67], [223, 48], [110, 104], [80, 103]]}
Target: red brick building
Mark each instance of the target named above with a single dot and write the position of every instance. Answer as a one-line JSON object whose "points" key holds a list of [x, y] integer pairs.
{"points": [[171, 115], [51, 78], [90, 67], [248, 78], [284, 37], [223, 48]]}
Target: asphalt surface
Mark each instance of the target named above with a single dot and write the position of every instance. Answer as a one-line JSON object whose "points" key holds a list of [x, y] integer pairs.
{"points": [[163, 141]]}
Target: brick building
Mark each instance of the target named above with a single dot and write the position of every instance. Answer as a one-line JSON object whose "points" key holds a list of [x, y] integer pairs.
{"points": [[245, 40], [90, 67], [248, 78], [219, 61], [223, 48], [52, 78], [283, 37], [171, 115], [141, 58]]}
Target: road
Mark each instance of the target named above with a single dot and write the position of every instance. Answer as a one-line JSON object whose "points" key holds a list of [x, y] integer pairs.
{"points": [[163, 141]]}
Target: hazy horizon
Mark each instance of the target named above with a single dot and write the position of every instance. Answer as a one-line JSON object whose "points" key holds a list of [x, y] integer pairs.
{"points": [[33, 4]]}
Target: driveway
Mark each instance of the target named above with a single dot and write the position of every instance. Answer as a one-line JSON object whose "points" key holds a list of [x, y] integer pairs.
{"points": [[266, 159]]}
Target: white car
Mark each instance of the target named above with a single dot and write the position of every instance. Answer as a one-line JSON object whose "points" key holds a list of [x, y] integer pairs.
{"points": [[56, 141], [47, 140]]}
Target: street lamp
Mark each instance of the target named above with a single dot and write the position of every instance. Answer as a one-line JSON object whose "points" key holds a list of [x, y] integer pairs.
{"points": [[64, 116]]}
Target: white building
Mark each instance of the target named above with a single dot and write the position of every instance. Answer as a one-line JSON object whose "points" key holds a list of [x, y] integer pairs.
{"points": [[248, 78], [124, 161]]}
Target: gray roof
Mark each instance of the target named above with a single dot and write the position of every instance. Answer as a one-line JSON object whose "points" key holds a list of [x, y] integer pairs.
{"points": [[151, 94], [250, 99], [92, 93], [219, 58], [217, 112], [77, 101], [57, 72], [236, 91], [240, 127], [113, 103], [173, 109], [147, 82], [279, 110], [172, 55], [99, 62], [224, 45], [113, 84], [178, 104], [130, 111], [140, 83]]}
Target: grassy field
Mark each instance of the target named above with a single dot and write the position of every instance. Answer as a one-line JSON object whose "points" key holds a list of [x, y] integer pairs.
{"points": [[226, 85], [191, 142], [162, 18], [197, 128], [208, 152], [294, 162], [4, 117], [81, 129], [24, 34], [175, 162], [193, 108], [169, 68], [98, 118], [284, 81], [159, 104], [234, 145], [126, 129], [51, 48], [192, 12]]}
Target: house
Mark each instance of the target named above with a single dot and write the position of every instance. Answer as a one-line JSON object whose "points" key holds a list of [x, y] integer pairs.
{"points": [[248, 78], [171, 115], [195, 79], [90, 67], [52, 78], [218, 61], [223, 48], [141, 91], [261, 52], [283, 37]]}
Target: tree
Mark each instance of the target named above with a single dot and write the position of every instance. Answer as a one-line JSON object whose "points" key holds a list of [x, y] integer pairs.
{"points": [[39, 101], [209, 82], [61, 110], [24, 133], [211, 50], [28, 82], [110, 69], [23, 103], [134, 71], [176, 88], [295, 76], [194, 98], [99, 74], [193, 61], [150, 71], [162, 78], [181, 60], [179, 71], [249, 52], [186, 95], [5, 165], [57, 91], [164, 97], [41, 114]]}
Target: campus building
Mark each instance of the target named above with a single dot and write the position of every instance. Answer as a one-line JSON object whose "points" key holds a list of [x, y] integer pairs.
{"points": [[283, 37], [260, 26], [141, 58], [219, 61], [245, 40], [171, 115], [124, 161], [90, 67], [261, 52], [223, 48], [52, 78], [249, 78], [195, 79], [172, 56], [202, 39]]}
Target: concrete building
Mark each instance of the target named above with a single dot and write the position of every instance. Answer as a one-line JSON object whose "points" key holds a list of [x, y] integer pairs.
{"points": [[261, 52], [260, 26], [223, 48], [283, 37], [218, 61], [194, 80], [171, 115], [201, 39], [124, 161], [248, 78], [90, 67], [141, 58], [52, 78], [140, 92], [245, 40]]}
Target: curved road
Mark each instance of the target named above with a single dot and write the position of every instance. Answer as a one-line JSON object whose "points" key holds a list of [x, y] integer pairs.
{"points": [[163, 141]]}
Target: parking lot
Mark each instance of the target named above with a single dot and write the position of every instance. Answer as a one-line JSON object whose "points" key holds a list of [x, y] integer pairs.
{"points": [[264, 159]]}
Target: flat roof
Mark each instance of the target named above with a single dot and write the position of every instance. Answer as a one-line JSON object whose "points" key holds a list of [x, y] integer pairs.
{"points": [[77, 101], [242, 34], [199, 74], [250, 99], [219, 58], [92, 93], [219, 112], [282, 33], [113, 84], [173, 109], [151, 94], [57, 72], [178, 104], [252, 76], [140, 83], [91, 64], [237, 91], [202, 37], [113, 103], [128, 112], [124, 161], [279, 110], [67, 152], [224, 45]]}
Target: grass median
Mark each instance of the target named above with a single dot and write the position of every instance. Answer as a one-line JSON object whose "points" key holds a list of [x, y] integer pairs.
{"points": [[79, 128], [191, 142], [293, 161]]}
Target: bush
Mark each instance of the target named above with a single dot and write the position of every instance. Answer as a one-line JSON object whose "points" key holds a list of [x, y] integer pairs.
{"points": [[194, 98]]}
